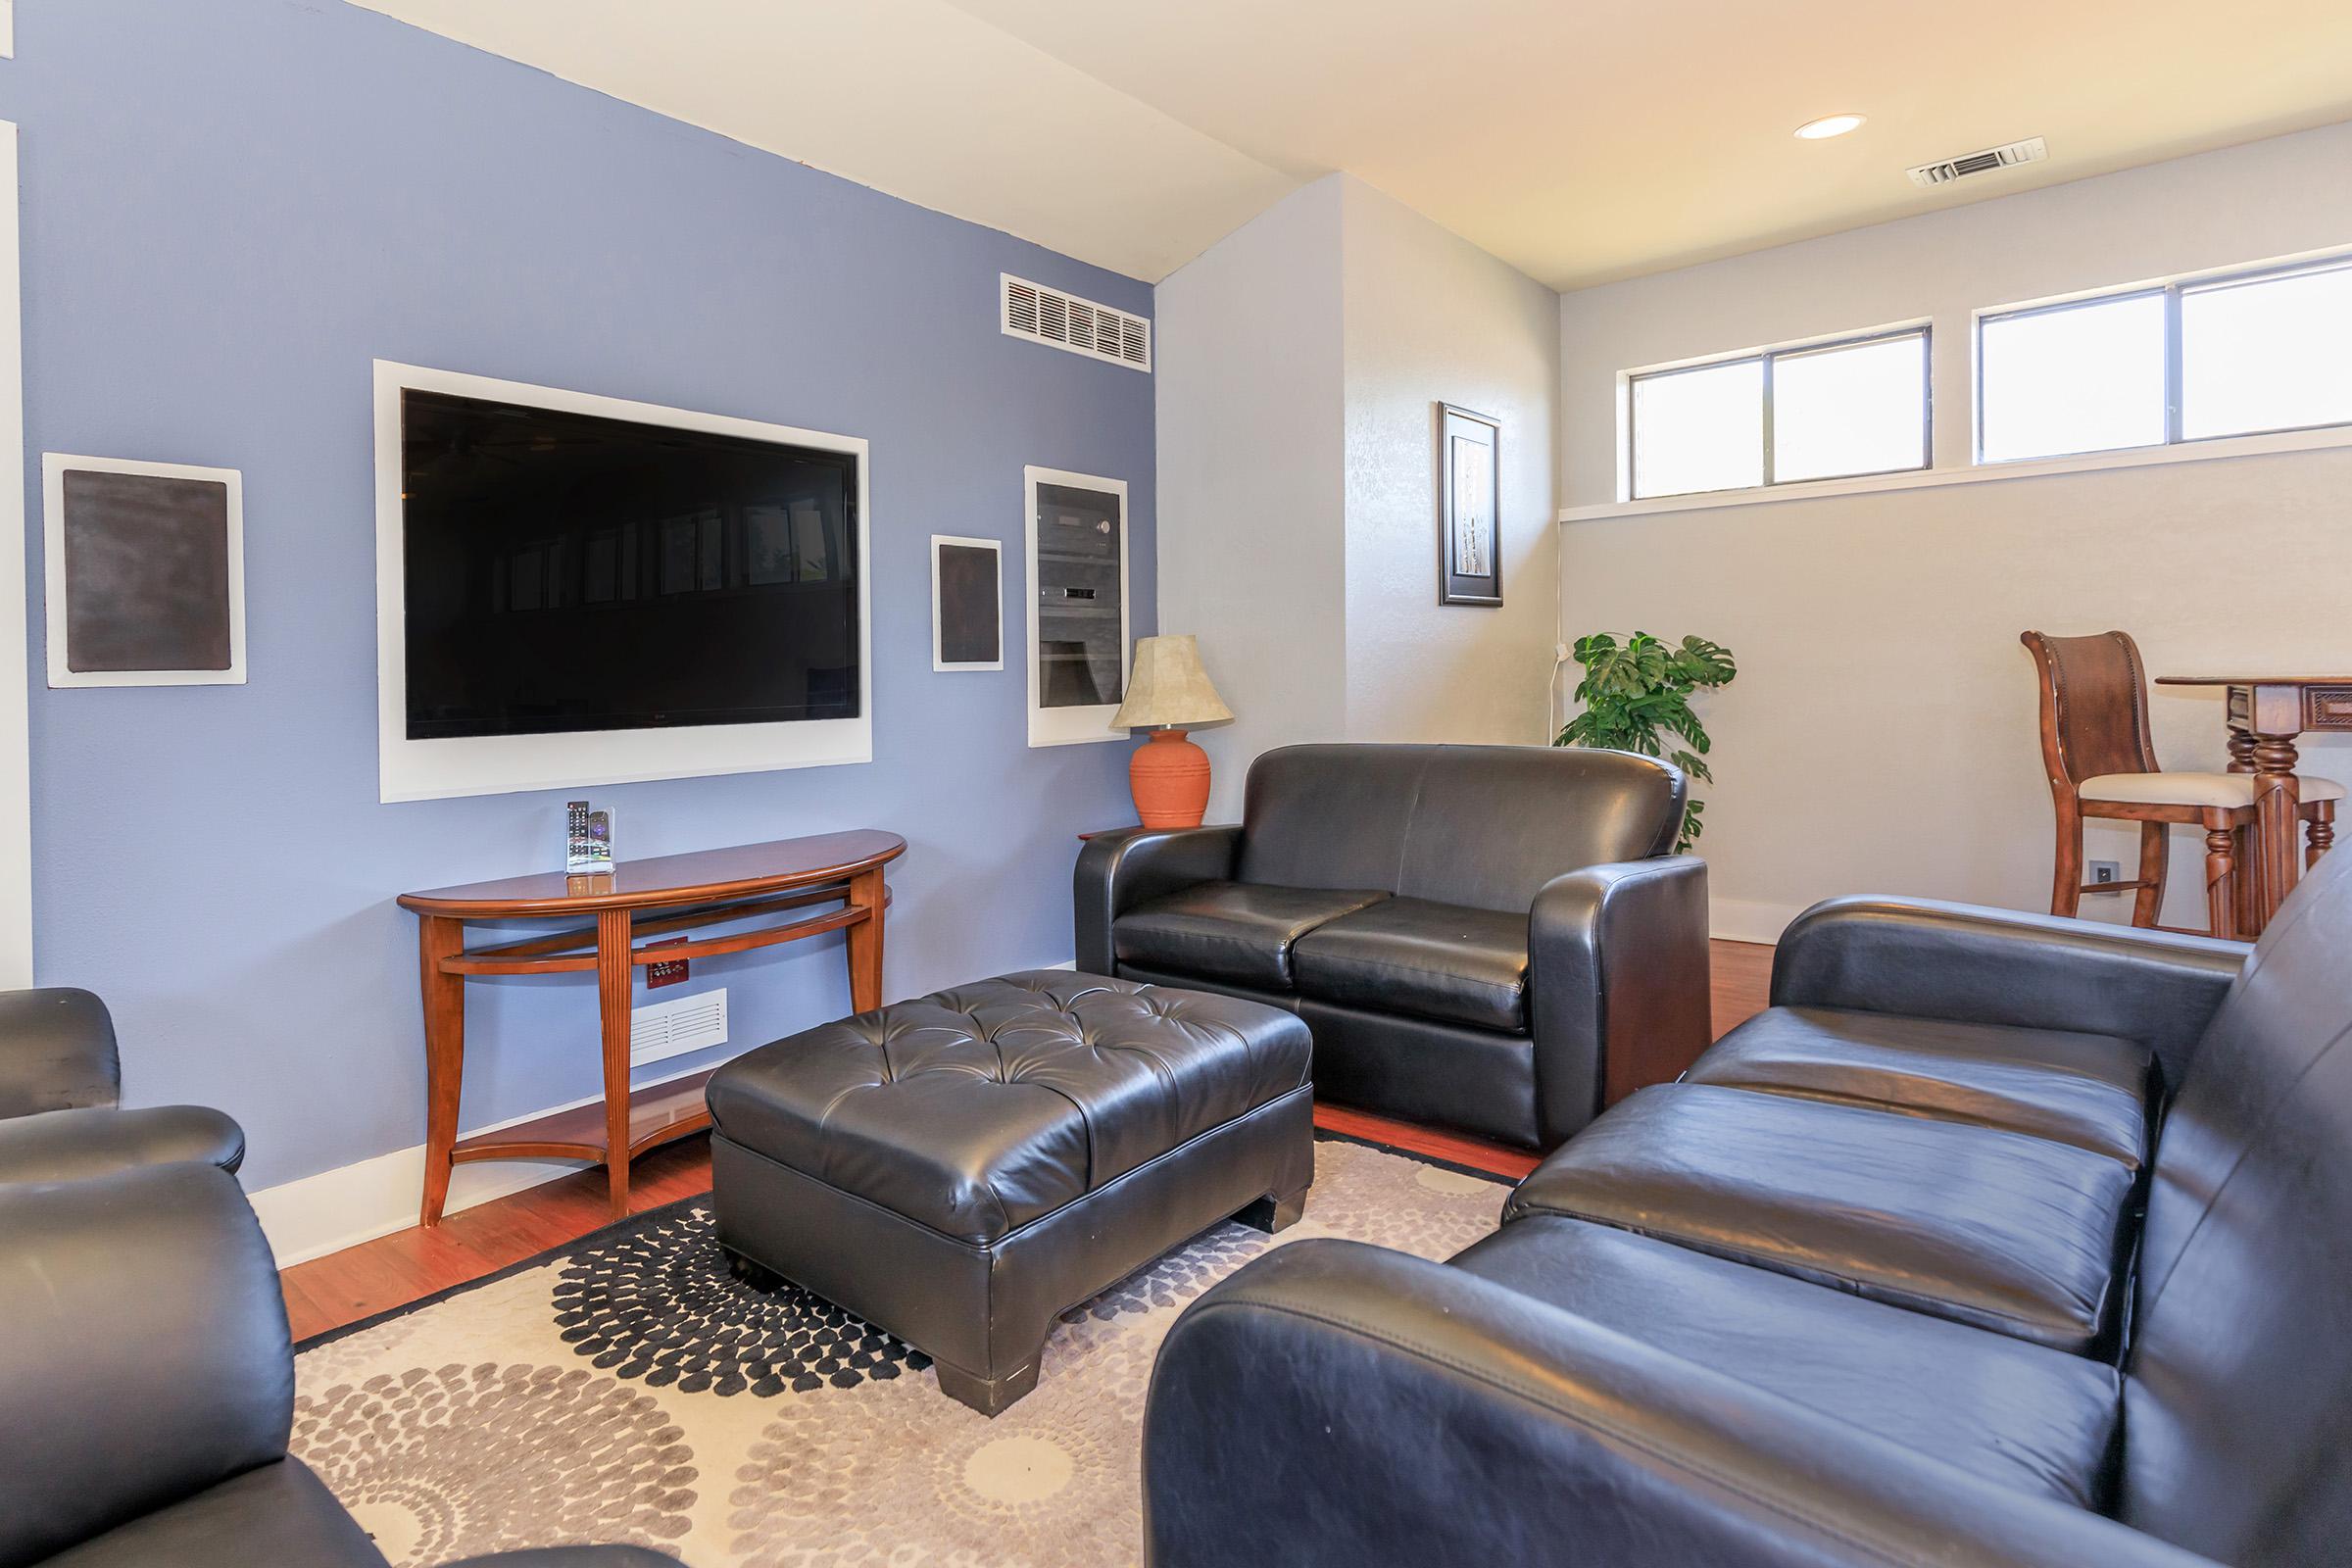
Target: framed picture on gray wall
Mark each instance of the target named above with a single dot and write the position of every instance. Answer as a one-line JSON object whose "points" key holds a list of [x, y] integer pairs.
{"points": [[1469, 489], [145, 572], [967, 603]]}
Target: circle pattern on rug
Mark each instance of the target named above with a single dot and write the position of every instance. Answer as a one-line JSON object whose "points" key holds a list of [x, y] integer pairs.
{"points": [[659, 1302], [447, 1463], [1054, 1482], [1176, 1277]]}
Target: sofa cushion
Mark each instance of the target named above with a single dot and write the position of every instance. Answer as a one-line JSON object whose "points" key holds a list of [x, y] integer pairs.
{"points": [[979, 1108], [2012, 1413], [1329, 816], [1493, 823], [1995, 1229], [2087, 1090], [1239, 931], [1434, 960]]}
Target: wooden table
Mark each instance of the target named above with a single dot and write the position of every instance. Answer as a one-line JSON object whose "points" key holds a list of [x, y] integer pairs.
{"points": [[2266, 714], [638, 897]]}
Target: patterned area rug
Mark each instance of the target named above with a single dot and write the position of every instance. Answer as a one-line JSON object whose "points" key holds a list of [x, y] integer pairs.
{"points": [[630, 1389]]}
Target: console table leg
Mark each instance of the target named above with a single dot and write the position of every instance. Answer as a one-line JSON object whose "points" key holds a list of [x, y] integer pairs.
{"points": [[615, 977], [438, 937], [866, 942]]}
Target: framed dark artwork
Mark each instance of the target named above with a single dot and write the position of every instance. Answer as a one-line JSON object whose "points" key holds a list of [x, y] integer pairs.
{"points": [[1469, 488], [146, 572], [967, 603]]}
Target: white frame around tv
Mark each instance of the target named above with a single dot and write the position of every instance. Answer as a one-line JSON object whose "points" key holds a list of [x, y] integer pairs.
{"points": [[1072, 726], [496, 764]]}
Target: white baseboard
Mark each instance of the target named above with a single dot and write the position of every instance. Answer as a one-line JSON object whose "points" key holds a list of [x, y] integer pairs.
{"points": [[1742, 920], [315, 1215]]}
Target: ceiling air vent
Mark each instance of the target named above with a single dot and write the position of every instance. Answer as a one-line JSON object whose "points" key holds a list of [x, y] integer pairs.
{"points": [[1047, 315], [2030, 151]]}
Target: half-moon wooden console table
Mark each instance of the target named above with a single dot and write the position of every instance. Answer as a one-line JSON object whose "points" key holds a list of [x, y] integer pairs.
{"points": [[638, 897]]}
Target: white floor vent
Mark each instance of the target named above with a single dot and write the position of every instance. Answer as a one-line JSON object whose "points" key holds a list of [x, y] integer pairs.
{"points": [[662, 1029], [2032, 150], [1065, 322]]}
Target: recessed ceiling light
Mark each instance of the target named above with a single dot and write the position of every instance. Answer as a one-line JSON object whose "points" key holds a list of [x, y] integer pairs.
{"points": [[1829, 126]]}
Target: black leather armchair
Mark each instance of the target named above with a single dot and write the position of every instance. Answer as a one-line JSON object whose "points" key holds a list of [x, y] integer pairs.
{"points": [[60, 1081], [1998, 1240], [1492, 938], [147, 1388]]}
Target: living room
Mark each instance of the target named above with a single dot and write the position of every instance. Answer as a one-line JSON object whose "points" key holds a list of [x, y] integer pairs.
{"points": [[982, 782]]}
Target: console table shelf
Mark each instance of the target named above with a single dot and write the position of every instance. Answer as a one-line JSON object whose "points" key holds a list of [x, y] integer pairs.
{"points": [[637, 899], [657, 1114]]}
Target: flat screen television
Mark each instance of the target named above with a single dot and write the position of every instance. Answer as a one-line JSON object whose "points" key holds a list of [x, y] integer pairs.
{"points": [[568, 571]]}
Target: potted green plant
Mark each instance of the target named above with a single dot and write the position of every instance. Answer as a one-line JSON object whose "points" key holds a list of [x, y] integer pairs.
{"points": [[1636, 698]]}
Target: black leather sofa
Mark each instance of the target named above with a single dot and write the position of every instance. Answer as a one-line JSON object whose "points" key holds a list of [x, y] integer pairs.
{"points": [[60, 1081], [1928, 1264], [1492, 938], [147, 1388]]}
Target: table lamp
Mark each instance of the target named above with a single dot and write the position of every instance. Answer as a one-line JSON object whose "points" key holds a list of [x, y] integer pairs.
{"points": [[1167, 690]]}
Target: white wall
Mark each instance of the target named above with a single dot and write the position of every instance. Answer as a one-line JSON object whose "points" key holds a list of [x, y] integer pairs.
{"points": [[1881, 735], [1431, 317], [1300, 360], [1246, 346]]}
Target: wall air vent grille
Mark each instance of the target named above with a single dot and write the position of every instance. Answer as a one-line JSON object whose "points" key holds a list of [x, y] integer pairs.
{"points": [[1065, 322], [2032, 150], [662, 1029]]}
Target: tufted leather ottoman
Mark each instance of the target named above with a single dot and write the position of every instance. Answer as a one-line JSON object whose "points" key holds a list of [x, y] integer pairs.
{"points": [[962, 1168]]}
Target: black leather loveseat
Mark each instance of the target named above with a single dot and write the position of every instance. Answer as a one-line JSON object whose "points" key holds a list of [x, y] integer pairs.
{"points": [[1492, 938], [1874, 1285], [147, 1388]]}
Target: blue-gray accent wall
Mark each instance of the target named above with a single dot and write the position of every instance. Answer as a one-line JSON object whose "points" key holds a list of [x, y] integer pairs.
{"points": [[231, 209]]}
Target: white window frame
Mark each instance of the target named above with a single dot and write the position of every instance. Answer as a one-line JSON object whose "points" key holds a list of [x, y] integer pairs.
{"points": [[495, 764], [1072, 726], [55, 466], [1923, 329], [2175, 392]]}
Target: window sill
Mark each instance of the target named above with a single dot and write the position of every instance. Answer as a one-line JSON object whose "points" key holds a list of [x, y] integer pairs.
{"points": [[2236, 446]]}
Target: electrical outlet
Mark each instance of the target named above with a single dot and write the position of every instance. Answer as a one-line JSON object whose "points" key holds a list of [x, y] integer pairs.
{"points": [[2103, 871]]}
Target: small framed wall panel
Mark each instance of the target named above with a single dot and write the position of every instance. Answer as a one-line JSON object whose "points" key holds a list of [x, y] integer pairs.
{"points": [[1076, 528], [967, 603], [7, 30], [708, 563], [146, 572]]}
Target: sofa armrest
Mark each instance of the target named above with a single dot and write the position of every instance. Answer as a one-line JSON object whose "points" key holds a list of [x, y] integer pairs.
{"points": [[146, 1346], [1974, 964], [1617, 983], [56, 1052], [64, 1145], [1119, 870], [1338, 1405]]}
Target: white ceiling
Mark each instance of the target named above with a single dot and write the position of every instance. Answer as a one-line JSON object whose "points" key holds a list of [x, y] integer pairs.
{"points": [[1581, 140]]}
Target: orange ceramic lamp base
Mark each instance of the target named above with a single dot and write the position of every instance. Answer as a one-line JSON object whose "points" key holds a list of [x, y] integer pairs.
{"points": [[1170, 779]]}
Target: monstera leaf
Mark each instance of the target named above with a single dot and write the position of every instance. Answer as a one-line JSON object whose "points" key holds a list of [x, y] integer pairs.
{"points": [[1636, 696]]}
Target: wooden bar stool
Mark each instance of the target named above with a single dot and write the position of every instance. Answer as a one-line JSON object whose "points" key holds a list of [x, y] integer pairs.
{"points": [[2101, 763]]}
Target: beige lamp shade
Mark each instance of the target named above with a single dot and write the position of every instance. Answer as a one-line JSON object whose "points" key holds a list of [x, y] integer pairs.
{"points": [[1167, 686]]}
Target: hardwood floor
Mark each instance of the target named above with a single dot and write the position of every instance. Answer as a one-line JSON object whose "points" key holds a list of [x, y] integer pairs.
{"points": [[407, 1265]]}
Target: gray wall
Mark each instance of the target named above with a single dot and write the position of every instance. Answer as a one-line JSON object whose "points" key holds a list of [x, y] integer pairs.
{"points": [[1301, 361], [1883, 733]]}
